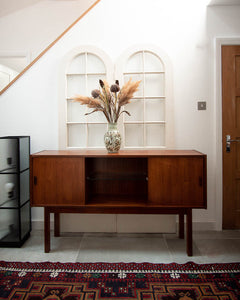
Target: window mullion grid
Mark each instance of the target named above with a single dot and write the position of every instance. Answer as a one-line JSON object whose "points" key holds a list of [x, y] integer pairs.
{"points": [[151, 97], [165, 114], [165, 105], [147, 72], [89, 73], [144, 102], [123, 123], [147, 122], [86, 88], [66, 110], [85, 121]]}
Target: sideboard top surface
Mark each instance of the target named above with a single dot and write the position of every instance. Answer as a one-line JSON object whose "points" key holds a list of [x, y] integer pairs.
{"points": [[121, 153]]}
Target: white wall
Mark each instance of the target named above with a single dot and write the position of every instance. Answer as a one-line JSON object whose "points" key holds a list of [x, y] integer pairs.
{"points": [[28, 27], [34, 27], [186, 34]]}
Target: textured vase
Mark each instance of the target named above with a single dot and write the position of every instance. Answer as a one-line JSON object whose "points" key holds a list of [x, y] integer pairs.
{"points": [[112, 138]]}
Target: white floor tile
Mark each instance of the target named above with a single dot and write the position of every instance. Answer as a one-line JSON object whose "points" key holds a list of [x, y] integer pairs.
{"points": [[208, 247]]}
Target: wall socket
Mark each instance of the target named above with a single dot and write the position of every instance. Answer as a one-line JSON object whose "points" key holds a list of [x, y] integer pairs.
{"points": [[202, 105]]}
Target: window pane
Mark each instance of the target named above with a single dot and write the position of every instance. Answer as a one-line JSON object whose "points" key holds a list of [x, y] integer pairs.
{"points": [[76, 84], [136, 77], [97, 116], [155, 135], [155, 110], [76, 135], [95, 64], [154, 85], [152, 63], [75, 112], [136, 109], [96, 135], [134, 135], [78, 65], [135, 63], [93, 82]]}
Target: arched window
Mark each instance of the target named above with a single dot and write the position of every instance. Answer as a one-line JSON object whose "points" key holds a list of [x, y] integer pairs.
{"points": [[83, 69], [151, 122]]}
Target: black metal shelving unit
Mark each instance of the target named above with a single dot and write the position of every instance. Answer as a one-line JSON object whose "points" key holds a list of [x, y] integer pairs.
{"points": [[15, 211]]}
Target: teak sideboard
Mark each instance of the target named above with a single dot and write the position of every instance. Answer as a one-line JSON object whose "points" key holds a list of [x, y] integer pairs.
{"points": [[128, 182]]}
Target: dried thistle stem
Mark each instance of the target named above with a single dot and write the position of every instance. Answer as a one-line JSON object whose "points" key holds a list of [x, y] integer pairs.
{"points": [[109, 100]]}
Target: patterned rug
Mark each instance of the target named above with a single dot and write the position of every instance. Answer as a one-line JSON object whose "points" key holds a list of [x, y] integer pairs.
{"points": [[70, 281]]}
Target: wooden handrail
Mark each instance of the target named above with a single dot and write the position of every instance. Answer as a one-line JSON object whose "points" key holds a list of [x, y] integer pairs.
{"points": [[49, 47]]}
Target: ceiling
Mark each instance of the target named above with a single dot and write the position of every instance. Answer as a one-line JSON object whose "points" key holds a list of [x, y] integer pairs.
{"points": [[9, 6], [224, 2]]}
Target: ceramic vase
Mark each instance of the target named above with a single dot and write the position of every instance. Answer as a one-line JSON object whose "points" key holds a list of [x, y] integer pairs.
{"points": [[112, 138]]}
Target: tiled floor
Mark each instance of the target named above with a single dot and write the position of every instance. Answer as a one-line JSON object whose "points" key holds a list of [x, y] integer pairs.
{"points": [[208, 247]]}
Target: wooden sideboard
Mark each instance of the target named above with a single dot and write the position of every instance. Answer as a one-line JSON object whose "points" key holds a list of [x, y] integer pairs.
{"points": [[128, 182]]}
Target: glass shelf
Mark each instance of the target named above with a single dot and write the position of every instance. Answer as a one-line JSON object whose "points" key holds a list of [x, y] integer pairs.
{"points": [[117, 177], [9, 203], [11, 170], [117, 200]]}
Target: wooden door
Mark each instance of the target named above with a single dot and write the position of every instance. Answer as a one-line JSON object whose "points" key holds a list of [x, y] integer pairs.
{"points": [[231, 126], [57, 181], [177, 181]]}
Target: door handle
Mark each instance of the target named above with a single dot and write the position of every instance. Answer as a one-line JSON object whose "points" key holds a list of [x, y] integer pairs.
{"points": [[229, 141]]}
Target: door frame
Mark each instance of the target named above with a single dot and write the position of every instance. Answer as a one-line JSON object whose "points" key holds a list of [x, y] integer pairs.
{"points": [[217, 96]]}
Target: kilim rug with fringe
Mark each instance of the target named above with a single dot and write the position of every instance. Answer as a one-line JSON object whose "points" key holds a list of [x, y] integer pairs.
{"points": [[70, 281]]}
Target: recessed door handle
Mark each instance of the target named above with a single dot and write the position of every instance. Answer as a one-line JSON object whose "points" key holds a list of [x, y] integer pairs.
{"points": [[229, 141], [35, 180]]}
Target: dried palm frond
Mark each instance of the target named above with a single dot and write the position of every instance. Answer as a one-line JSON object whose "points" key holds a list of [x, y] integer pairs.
{"points": [[89, 101], [127, 92]]}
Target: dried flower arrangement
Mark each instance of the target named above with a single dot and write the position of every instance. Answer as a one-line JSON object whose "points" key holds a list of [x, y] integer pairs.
{"points": [[109, 100]]}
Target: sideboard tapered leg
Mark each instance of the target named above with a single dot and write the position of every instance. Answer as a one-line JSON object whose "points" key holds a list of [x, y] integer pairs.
{"points": [[46, 230], [189, 232]]}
